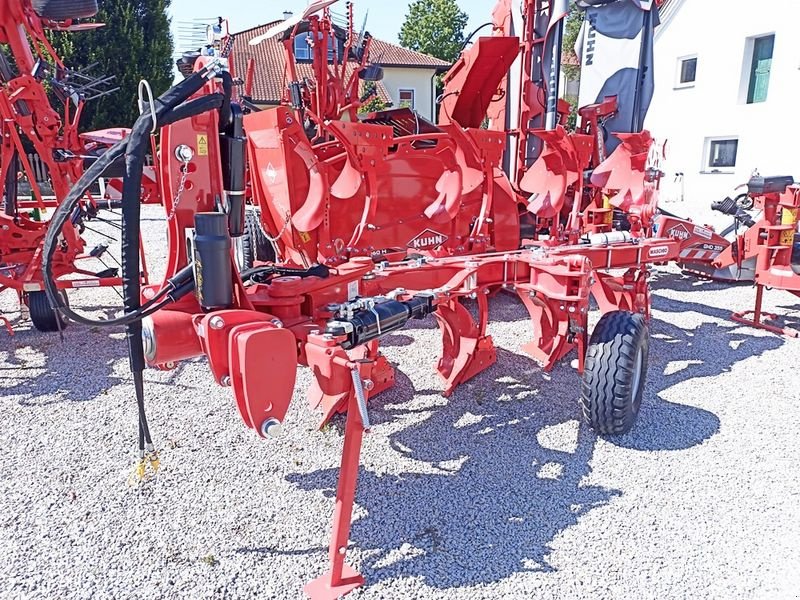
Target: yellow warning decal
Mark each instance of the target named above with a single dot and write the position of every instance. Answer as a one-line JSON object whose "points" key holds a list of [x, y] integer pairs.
{"points": [[304, 236], [202, 144]]}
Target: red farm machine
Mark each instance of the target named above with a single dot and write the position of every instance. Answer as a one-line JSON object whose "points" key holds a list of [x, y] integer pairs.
{"points": [[369, 221], [764, 250], [41, 148]]}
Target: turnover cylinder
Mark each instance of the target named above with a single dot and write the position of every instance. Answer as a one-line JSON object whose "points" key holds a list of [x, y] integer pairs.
{"points": [[212, 261]]}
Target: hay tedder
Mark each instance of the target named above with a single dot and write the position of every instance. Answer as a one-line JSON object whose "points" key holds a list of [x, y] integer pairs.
{"points": [[42, 147], [369, 221]]}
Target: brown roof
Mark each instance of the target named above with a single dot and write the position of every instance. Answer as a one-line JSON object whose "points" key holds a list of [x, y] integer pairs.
{"points": [[271, 75]]}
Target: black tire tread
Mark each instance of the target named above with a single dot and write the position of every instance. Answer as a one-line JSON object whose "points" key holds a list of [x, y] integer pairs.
{"points": [[262, 248], [44, 318], [608, 403]]}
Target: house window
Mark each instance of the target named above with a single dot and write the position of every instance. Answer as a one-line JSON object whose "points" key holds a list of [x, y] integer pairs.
{"points": [[760, 67], [721, 154], [406, 98], [303, 50], [687, 71]]}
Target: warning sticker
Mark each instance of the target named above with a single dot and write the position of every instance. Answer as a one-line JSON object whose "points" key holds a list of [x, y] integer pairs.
{"points": [[352, 290], [703, 232], [202, 144]]}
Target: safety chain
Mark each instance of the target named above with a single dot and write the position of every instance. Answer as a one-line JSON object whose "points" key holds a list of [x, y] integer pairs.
{"points": [[286, 222], [181, 188]]}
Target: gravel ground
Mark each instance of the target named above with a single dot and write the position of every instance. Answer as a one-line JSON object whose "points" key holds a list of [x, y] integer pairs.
{"points": [[498, 492]]}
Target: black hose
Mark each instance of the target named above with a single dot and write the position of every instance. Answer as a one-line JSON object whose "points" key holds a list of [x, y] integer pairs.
{"points": [[64, 210], [471, 35]]}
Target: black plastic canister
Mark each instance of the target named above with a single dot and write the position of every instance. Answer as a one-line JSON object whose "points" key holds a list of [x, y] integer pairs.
{"points": [[212, 261]]}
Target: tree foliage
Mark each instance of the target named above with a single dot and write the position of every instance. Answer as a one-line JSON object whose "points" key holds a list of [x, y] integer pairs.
{"points": [[135, 44], [375, 103], [572, 29], [434, 27]]}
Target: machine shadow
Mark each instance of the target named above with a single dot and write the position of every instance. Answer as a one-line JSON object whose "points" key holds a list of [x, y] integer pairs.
{"points": [[79, 369], [501, 471]]}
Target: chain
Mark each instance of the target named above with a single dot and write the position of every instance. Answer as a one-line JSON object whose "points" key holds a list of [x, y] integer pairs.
{"points": [[287, 221], [179, 193]]}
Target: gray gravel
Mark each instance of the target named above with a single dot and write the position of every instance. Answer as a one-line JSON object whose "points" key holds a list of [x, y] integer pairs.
{"points": [[498, 492]]}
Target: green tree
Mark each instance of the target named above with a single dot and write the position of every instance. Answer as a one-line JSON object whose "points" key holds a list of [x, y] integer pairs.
{"points": [[374, 103], [434, 27], [572, 29], [135, 44]]}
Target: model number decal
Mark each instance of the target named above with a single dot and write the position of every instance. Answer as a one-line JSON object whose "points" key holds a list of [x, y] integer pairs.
{"points": [[658, 251]]}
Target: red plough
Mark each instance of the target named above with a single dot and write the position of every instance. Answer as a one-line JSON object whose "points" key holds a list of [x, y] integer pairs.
{"points": [[371, 222]]}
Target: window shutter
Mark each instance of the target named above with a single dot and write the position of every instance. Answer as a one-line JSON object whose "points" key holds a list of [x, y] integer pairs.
{"points": [[760, 70]]}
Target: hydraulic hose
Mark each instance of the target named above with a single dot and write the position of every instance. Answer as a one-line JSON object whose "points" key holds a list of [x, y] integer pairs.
{"points": [[167, 112], [166, 109]]}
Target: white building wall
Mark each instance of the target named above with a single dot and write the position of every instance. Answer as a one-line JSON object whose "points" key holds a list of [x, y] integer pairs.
{"points": [[720, 33], [419, 80]]}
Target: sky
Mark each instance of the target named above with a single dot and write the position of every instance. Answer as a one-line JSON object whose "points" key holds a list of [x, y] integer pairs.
{"points": [[384, 20]]}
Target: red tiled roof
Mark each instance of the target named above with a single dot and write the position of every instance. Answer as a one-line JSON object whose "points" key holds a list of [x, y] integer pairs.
{"points": [[271, 75]]}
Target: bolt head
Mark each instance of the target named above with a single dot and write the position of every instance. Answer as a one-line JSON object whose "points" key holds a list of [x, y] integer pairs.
{"points": [[184, 153], [271, 428], [217, 322]]}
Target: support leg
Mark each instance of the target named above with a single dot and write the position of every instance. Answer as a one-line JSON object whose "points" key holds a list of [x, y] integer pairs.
{"points": [[759, 316], [341, 579], [7, 324]]}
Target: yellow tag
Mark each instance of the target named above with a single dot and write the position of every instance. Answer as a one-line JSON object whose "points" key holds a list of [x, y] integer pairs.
{"points": [[202, 145], [304, 237]]}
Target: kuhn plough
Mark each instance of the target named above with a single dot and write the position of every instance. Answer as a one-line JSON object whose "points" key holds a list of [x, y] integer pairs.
{"points": [[378, 220], [29, 66]]}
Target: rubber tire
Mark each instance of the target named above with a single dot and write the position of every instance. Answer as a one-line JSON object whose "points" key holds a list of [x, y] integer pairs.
{"points": [[261, 247], [60, 10], [44, 318], [609, 402], [10, 189]]}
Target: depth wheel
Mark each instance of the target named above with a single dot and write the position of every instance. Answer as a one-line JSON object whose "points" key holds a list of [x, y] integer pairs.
{"points": [[615, 372], [261, 248], [44, 318], [60, 10]]}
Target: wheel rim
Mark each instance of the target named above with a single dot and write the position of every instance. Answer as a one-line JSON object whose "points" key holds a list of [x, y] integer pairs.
{"points": [[638, 367], [238, 252]]}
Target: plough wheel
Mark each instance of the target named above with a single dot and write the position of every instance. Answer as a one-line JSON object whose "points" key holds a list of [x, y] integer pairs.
{"points": [[254, 244], [59, 10], [44, 318], [615, 372]]}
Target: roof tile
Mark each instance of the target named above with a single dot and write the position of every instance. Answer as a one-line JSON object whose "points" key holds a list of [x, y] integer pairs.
{"points": [[271, 74]]}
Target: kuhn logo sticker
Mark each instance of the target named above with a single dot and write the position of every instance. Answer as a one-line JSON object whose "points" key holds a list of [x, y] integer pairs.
{"points": [[679, 232], [703, 232], [658, 251], [427, 239]]}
